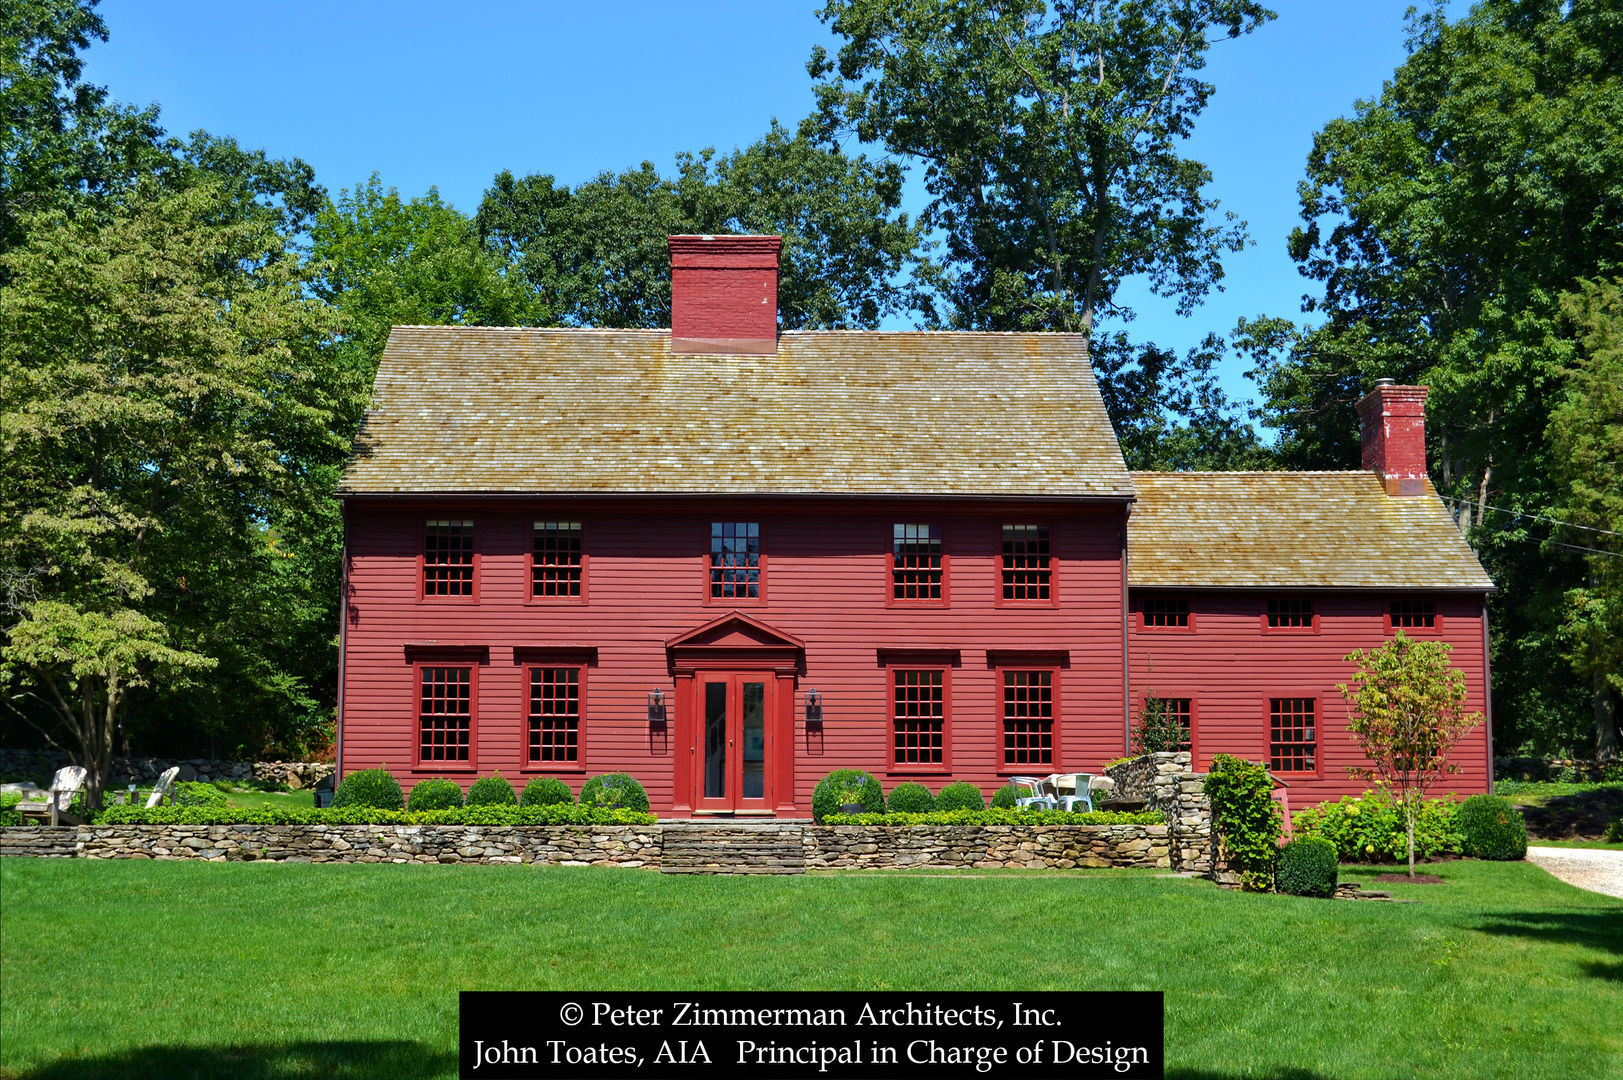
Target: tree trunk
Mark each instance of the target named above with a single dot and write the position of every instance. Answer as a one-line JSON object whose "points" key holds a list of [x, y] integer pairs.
{"points": [[1410, 812], [1606, 736]]}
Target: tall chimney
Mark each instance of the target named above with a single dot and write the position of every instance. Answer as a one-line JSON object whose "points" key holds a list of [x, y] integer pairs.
{"points": [[1392, 422], [724, 294]]}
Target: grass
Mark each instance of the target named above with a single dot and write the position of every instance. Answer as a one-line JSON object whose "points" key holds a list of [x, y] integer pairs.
{"points": [[1537, 792], [250, 799], [1599, 845], [271, 971]]}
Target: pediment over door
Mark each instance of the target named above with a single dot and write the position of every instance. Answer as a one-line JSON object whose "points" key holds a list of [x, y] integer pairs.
{"points": [[739, 641]]}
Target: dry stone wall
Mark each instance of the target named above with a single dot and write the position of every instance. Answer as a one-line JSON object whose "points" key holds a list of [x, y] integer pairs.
{"points": [[1167, 782], [295, 774]]}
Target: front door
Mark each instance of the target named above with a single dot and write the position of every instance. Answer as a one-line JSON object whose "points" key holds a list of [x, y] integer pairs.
{"points": [[733, 740]]}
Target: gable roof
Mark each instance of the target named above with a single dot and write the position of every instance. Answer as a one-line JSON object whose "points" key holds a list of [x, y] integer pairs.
{"points": [[1293, 529], [509, 410]]}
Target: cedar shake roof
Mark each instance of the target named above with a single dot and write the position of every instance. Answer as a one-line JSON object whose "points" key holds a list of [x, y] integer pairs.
{"points": [[509, 410], [1293, 530]]}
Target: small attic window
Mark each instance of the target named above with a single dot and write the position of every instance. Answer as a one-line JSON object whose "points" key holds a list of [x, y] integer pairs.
{"points": [[1413, 615], [1166, 612]]}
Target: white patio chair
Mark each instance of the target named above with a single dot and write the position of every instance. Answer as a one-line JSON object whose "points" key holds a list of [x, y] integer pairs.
{"points": [[164, 786], [1072, 790], [1036, 797]]}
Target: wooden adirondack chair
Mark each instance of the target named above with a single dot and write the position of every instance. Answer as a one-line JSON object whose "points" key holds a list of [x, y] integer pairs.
{"points": [[164, 786], [64, 786]]}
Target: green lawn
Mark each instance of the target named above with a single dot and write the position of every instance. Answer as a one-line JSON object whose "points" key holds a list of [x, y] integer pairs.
{"points": [[129, 969]]}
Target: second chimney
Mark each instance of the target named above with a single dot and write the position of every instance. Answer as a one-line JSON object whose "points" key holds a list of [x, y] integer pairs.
{"points": [[724, 294], [1392, 423]]}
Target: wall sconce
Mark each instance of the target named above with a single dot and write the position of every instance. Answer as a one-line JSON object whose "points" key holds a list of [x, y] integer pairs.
{"points": [[814, 707], [656, 706]]}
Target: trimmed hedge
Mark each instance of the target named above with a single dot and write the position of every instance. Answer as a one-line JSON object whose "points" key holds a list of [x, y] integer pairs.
{"points": [[1307, 867], [1003, 798], [1491, 828], [1003, 817], [376, 788], [960, 796], [546, 791], [614, 789], [435, 795], [847, 785], [551, 814], [1368, 828], [910, 798], [492, 790]]}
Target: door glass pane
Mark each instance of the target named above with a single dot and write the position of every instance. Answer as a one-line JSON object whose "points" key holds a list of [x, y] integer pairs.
{"points": [[715, 740], [754, 739]]}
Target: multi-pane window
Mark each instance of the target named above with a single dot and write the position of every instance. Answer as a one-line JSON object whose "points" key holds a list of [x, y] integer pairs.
{"points": [[1028, 717], [1163, 610], [1171, 713], [448, 559], [445, 714], [557, 563], [1291, 740], [918, 717], [917, 568], [1413, 614], [735, 560], [1290, 613], [554, 732], [1027, 571]]}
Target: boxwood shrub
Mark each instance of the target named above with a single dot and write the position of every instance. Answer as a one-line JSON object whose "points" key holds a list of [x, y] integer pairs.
{"points": [[1307, 867], [492, 790], [961, 795], [909, 798], [435, 795], [614, 789], [1003, 798], [376, 788], [846, 786], [1368, 828], [546, 790], [551, 814], [9, 814], [1491, 828], [1004, 817]]}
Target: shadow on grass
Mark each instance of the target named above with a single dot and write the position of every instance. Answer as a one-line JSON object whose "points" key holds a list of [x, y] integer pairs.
{"points": [[1211, 1074], [341, 1059], [1564, 817], [1594, 930]]}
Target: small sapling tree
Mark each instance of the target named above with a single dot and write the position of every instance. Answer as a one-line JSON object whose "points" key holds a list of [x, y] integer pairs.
{"points": [[1408, 713], [1160, 729]]}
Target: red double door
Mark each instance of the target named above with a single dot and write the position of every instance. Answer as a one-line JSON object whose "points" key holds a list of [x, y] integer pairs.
{"points": [[734, 740]]}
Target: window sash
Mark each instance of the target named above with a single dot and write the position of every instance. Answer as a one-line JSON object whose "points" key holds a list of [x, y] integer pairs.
{"points": [[1028, 717], [1181, 710], [448, 558], [1166, 611], [445, 714], [554, 728], [1027, 566], [1290, 613], [735, 560], [1413, 614], [1292, 735], [558, 563], [918, 562], [918, 717]]}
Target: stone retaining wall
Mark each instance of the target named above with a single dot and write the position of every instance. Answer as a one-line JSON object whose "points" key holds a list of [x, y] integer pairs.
{"points": [[1166, 782], [1059, 847], [43, 842], [1575, 770], [125, 771]]}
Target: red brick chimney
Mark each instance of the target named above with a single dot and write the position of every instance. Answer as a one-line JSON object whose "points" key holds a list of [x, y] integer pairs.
{"points": [[1392, 421], [724, 294]]}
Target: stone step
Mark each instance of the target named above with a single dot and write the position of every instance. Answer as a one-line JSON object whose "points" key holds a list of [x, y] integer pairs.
{"points": [[733, 849]]}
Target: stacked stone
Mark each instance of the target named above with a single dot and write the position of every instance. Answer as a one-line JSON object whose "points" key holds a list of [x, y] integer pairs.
{"points": [[1058, 847], [732, 849], [39, 843], [1166, 782], [145, 771]]}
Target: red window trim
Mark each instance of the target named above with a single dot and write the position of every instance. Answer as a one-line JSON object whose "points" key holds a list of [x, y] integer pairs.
{"points": [[1262, 617], [758, 601], [585, 569], [946, 571], [423, 597], [1434, 630], [536, 658], [923, 768], [1194, 720], [1005, 768], [451, 656], [1314, 696], [1141, 624], [1053, 569]]}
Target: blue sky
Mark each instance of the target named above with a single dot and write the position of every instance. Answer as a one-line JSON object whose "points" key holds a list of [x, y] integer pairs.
{"points": [[436, 94]]}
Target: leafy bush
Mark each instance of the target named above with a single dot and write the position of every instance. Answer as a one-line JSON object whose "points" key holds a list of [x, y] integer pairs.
{"points": [[192, 793], [1245, 818], [435, 795], [1003, 817], [614, 789], [910, 798], [1003, 798], [492, 791], [960, 796], [9, 814], [848, 786], [376, 788], [545, 791], [1614, 831], [1491, 828], [551, 814], [1307, 867], [1369, 828]]}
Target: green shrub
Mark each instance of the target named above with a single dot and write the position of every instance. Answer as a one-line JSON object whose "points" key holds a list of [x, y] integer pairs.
{"points": [[552, 814], [1245, 818], [9, 814], [1004, 817], [191, 793], [1003, 798], [960, 796], [1307, 867], [1614, 831], [545, 791], [376, 788], [492, 790], [847, 786], [435, 795], [614, 789], [1491, 828], [909, 798], [1369, 828]]}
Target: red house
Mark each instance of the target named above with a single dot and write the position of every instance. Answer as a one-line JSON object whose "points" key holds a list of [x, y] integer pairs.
{"points": [[728, 560]]}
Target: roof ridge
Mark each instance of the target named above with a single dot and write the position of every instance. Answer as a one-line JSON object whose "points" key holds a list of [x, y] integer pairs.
{"points": [[1250, 472], [785, 333]]}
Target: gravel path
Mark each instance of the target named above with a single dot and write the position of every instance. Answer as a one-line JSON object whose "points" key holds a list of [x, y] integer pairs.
{"points": [[1595, 869]]}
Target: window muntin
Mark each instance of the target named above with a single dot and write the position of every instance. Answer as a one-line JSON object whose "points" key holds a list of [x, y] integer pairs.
{"points": [[1026, 565], [1414, 614], [1292, 735], [1165, 612], [917, 563], [1028, 717], [735, 560], [553, 736], [1179, 710], [445, 714], [918, 717], [1290, 613], [558, 561], [448, 558]]}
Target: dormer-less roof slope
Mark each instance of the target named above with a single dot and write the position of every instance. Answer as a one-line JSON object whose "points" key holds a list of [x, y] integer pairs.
{"points": [[1250, 530], [496, 411]]}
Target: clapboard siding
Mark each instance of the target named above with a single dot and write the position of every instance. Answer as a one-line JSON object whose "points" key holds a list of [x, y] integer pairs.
{"points": [[826, 584]]}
